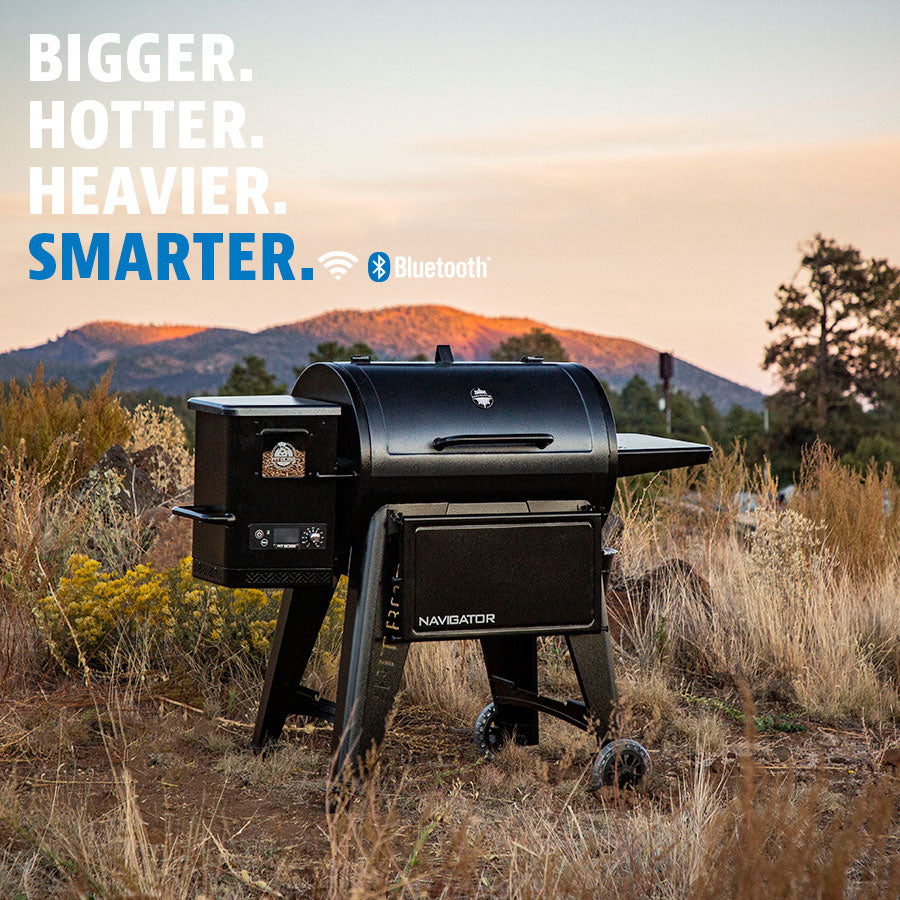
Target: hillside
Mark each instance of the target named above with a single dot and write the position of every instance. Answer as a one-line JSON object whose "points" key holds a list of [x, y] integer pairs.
{"points": [[183, 359]]}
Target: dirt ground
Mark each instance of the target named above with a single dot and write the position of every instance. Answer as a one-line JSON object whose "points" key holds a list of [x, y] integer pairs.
{"points": [[262, 818]]}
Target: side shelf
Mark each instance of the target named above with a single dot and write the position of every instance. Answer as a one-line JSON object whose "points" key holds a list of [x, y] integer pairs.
{"points": [[640, 453]]}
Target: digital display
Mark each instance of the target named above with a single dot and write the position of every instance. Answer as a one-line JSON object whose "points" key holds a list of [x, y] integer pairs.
{"points": [[286, 536]]}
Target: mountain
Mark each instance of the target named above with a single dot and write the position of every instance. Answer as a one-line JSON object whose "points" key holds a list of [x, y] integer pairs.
{"points": [[184, 359]]}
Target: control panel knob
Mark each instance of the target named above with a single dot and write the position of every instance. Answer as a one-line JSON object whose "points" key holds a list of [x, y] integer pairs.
{"points": [[313, 537]]}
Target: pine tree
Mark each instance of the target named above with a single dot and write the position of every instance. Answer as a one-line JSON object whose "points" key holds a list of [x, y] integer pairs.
{"points": [[836, 330], [250, 379], [536, 342]]}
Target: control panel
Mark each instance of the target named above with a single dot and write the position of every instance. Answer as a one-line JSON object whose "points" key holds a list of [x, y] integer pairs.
{"points": [[289, 536]]}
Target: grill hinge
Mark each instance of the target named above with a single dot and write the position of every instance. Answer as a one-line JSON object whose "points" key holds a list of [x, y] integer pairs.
{"points": [[443, 355]]}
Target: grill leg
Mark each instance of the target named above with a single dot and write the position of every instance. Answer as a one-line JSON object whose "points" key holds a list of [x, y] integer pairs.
{"points": [[592, 658], [371, 668], [514, 658], [299, 620]]}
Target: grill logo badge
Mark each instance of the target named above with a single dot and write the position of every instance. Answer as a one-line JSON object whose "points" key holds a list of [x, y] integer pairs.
{"points": [[284, 460], [283, 455], [481, 398]]}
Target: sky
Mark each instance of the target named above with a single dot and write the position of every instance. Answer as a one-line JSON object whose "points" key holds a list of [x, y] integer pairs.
{"points": [[644, 170]]}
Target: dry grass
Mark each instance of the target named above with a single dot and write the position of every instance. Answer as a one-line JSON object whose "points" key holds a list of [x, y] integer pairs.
{"points": [[803, 599], [114, 791], [860, 512], [119, 799]]}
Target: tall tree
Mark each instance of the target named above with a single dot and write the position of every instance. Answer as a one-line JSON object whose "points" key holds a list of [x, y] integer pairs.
{"points": [[835, 327], [251, 378], [536, 342], [640, 408], [713, 421], [334, 351]]}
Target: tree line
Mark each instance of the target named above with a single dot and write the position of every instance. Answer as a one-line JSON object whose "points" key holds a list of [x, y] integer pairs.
{"points": [[835, 353]]}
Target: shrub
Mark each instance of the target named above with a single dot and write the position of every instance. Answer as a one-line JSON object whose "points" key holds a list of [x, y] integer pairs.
{"points": [[92, 612], [171, 468], [44, 418]]}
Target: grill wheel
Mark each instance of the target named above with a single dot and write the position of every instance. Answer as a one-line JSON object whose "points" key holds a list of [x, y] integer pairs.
{"points": [[623, 762], [490, 735]]}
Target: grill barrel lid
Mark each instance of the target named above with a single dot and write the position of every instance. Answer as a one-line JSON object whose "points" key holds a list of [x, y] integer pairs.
{"points": [[459, 419]]}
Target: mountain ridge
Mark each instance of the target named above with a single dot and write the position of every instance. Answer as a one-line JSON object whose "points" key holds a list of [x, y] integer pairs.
{"points": [[178, 359]]}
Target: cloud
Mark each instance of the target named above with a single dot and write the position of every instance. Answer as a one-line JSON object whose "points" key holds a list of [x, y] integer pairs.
{"points": [[564, 137]]}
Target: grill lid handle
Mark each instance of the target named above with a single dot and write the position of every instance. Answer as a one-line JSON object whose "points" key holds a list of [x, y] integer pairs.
{"points": [[493, 440]]}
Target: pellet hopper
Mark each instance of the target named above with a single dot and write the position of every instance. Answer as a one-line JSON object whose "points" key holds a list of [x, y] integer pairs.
{"points": [[464, 500]]}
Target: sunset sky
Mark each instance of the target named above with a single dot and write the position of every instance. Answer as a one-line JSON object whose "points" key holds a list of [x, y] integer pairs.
{"points": [[643, 170]]}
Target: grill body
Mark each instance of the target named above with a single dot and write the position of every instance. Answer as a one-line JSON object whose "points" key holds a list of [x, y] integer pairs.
{"points": [[462, 500]]}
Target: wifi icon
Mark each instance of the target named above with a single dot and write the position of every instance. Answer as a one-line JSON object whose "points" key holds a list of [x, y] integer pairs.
{"points": [[338, 262]]}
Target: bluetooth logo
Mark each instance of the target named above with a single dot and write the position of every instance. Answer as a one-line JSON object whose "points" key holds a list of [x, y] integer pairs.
{"points": [[379, 267]]}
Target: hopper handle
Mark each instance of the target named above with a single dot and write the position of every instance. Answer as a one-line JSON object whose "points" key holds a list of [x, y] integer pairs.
{"points": [[209, 514], [493, 440]]}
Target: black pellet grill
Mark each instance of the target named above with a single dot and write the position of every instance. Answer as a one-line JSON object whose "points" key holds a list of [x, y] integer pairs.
{"points": [[463, 500]]}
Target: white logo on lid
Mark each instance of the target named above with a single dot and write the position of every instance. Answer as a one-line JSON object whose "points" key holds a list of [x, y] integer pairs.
{"points": [[481, 398]]}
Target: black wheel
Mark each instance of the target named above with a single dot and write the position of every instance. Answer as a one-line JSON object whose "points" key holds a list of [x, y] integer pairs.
{"points": [[624, 762], [489, 734]]}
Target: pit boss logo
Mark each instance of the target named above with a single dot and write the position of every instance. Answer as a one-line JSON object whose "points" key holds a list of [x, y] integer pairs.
{"points": [[466, 619], [283, 455], [481, 398], [284, 460]]}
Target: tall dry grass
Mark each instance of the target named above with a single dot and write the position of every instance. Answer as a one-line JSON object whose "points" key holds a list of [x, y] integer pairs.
{"points": [[859, 512], [803, 597], [771, 839], [49, 440], [42, 414], [65, 849]]}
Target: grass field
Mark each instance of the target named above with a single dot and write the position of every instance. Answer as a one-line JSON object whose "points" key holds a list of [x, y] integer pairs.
{"points": [[762, 671]]}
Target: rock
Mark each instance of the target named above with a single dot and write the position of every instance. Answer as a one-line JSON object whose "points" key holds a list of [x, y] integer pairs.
{"points": [[630, 603], [170, 544], [891, 759], [156, 516], [135, 492], [158, 465], [612, 531], [781, 753]]}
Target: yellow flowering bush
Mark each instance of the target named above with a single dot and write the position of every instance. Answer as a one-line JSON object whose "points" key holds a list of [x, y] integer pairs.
{"points": [[91, 611]]}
